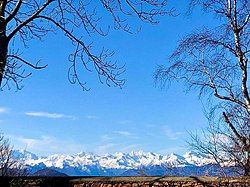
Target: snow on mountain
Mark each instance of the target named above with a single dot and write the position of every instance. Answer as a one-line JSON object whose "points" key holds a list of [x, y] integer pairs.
{"points": [[175, 160], [133, 163], [197, 159], [24, 155]]}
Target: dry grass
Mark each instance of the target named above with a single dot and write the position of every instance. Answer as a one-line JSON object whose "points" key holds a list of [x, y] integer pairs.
{"points": [[162, 179]]}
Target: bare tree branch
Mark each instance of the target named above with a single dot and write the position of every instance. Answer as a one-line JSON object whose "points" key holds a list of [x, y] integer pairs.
{"points": [[78, 21]]}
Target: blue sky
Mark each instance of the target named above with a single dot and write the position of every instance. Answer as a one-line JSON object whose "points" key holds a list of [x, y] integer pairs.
{"points": [[49, 115]]}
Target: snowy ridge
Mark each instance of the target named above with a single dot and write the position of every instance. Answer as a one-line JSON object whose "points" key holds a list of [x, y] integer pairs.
{"points": [[121, 164]]}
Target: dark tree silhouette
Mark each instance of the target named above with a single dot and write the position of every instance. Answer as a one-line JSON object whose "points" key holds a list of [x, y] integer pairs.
{"points": [[27, 20], [214, 61]]}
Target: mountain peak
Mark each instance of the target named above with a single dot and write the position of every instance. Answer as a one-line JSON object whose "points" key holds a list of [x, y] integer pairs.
{"points": [[23, 155], [112, 164]]}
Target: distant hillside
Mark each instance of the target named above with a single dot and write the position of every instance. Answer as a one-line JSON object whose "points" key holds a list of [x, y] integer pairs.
{"points": [[47, 172]]}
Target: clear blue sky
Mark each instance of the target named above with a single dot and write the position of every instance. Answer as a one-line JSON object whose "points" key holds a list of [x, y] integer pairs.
{"points": [[49, 115]]}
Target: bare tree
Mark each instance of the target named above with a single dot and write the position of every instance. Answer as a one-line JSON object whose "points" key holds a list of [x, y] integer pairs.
{"points": [[12, 170], [6, 161], [77, 20], [214, 61], [9, 165]]}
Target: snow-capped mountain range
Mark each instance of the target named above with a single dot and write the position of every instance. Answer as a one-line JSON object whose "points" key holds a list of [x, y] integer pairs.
{"points": [[134, 163]]}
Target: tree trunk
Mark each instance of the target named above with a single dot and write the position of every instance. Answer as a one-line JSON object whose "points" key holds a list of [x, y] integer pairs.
{"points": [[3, 55], [3, 40], [247, 169]]}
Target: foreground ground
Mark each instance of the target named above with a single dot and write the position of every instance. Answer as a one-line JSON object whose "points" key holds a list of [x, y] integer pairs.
{"points": [[125, 181]]}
